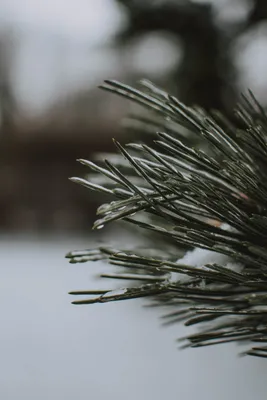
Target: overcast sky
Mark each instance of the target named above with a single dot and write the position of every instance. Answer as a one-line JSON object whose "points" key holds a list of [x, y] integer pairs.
{"points": [[76, 20], [58, 45]]}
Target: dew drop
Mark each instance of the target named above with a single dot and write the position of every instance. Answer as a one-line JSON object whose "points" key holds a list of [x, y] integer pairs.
{"points": [[114, 293], [100, 226], [103, 207]]}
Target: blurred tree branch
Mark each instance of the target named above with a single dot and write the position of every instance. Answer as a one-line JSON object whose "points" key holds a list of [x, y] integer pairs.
{"points": [[206, 75]]}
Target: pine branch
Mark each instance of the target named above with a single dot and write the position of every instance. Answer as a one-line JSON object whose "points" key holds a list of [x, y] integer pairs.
{"points": [[177, 192]]}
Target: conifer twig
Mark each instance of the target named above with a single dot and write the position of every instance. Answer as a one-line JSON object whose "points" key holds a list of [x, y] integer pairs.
{"points": [[174, 191]]}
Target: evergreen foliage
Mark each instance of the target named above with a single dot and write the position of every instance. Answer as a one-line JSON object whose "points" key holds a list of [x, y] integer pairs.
{"points": [[213, 198]]}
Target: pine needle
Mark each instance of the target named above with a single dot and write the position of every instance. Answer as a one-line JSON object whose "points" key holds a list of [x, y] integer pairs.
{"points": [[172, 192]]}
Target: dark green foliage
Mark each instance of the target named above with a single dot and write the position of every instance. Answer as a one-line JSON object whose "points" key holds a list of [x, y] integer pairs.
{"points": [[176, 192]]}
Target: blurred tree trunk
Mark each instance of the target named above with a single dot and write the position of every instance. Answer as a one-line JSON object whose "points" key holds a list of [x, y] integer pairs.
{"points": [[7, 99], [206, 70]]}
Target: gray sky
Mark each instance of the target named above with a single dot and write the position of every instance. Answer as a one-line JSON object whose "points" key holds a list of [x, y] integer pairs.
{"points": [[86, 21], [63, 45], [58, 45]]}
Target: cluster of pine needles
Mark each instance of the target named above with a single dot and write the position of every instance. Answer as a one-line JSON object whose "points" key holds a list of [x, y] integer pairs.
{"points": [[179, 196]]}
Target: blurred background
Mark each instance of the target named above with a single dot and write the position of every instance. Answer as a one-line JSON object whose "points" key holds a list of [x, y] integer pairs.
{"points": [[53, 55]]}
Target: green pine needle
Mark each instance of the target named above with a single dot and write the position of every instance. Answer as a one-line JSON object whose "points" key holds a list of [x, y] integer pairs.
{"points": [[172, 192]]}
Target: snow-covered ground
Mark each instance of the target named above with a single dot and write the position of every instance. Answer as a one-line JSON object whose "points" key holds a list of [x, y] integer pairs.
{"points": [[52, 350]]}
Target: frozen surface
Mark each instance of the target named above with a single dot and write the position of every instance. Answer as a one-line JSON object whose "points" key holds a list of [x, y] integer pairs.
{"points": [[53, 350]]}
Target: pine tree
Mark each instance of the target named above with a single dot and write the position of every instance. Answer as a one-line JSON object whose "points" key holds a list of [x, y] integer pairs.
{"points": [[203, 212]]}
